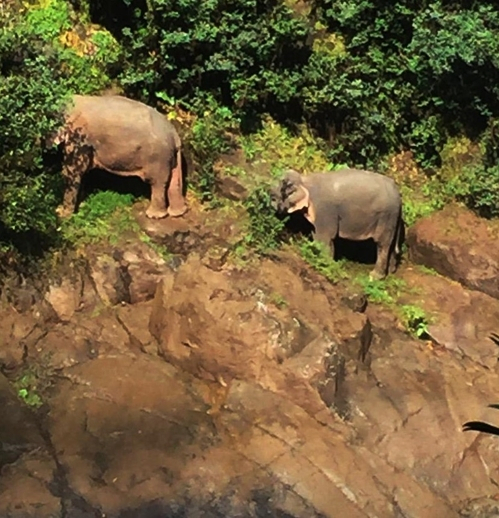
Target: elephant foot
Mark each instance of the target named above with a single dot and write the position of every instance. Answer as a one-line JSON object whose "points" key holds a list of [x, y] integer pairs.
{"points": [[176, 213], [153, 213], [376, 275]]}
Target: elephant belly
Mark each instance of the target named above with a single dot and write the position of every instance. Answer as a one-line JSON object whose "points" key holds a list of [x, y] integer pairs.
{"points": [[357, 230], [119, 160], [119, 168]]}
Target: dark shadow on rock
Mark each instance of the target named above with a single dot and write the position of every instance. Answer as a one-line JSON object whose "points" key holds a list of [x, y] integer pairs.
{"points": [[259, 506]]}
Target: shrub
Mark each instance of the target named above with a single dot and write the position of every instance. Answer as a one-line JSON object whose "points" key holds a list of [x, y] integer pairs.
{"points": [[245, 54], [38, 74], [283, 148], [265, 228], [209, 137]]}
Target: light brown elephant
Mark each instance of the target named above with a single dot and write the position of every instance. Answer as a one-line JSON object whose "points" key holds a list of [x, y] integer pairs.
{"points": [[351, 204], [127, 138]]}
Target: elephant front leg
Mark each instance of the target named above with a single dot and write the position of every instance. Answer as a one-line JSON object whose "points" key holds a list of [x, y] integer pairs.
{"points": [[73, 181], [325, 237]]}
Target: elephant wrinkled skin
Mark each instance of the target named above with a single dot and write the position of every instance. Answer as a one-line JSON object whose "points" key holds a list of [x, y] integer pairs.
{"points": [[127, 138], [351, 204]]}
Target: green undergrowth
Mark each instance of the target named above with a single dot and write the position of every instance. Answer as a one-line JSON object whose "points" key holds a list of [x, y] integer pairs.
{"points": [[264, 229], [103, 217], [415, 319], [319, 258], [388, 292], [45, 56]]}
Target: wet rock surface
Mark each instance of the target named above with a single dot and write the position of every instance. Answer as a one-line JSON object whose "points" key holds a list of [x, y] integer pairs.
{"points": [[197, 387]]}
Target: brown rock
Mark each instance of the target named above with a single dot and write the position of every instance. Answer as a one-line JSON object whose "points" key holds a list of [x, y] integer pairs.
{"points": [[65, 298], [25, 488], [18, 430], [15, 328], [129, 276], [459, 245], [145, 268], [230, 188], [111, 279]]}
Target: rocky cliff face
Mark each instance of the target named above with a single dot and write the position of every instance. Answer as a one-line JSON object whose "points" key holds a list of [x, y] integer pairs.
{"points": [[192, 386]]}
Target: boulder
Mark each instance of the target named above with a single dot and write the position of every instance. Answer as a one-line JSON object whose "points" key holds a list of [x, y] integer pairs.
{"points": [[15, 328], [65, 297], [460, 245], [127, 275], [212, 325]]}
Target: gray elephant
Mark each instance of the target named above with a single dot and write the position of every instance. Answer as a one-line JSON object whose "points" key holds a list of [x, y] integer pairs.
{"points": [[127, 138], [349, 203]]}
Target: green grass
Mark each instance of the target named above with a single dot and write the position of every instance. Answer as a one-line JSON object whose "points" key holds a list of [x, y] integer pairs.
{"points": [[104, 216]]}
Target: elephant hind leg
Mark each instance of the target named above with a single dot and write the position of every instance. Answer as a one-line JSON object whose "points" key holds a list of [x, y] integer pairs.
{"points": [[383, 260], [157, 206], [176, 200]]}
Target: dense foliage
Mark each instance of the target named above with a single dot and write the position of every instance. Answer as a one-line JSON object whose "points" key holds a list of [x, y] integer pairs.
{"points": [[372, 78], [39, 71]]}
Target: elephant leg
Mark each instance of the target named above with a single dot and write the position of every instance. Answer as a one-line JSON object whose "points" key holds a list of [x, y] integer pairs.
{"points": [[381, 268], [157, 206], [176, 201], [76, 164], [325, 237]]}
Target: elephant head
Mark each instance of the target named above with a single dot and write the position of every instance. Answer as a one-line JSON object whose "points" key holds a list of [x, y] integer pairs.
{"points": [[291, 195]]}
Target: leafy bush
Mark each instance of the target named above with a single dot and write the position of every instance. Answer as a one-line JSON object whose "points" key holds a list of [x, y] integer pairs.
{"points": [[403, 74], [265, 228], [209, 137], [38, 74], [282, 148], [245, 54], [381, 291]]}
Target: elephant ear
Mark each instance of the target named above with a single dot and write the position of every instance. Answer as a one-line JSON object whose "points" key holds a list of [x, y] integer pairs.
{"points": [[299, 200]]}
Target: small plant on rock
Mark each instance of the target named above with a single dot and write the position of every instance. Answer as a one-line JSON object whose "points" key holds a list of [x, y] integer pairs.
{"points": [[27, 389], [384, 291], [415, 320]]}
